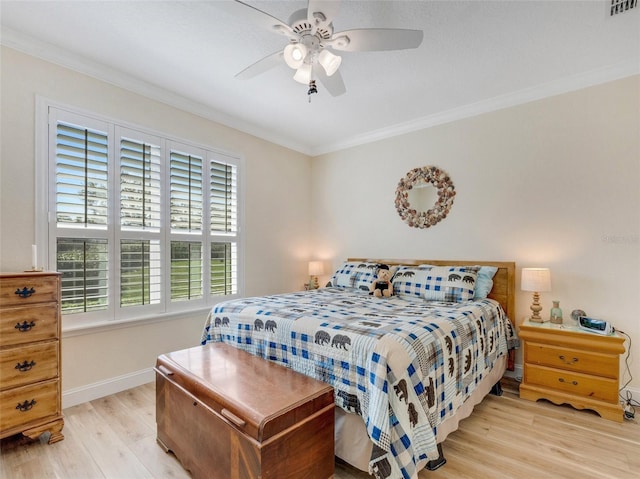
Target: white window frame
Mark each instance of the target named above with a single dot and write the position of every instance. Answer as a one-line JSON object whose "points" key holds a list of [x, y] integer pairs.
{"points": [[46, 232]]}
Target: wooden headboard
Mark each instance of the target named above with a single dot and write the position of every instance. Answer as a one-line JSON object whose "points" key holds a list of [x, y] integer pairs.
{"points": [[504, 282]]}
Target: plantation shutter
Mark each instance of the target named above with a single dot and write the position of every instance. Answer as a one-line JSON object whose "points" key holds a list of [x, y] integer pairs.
{"points": [[223, 197], [84, 266], [139, 185], [186, 270], [81, 200], [186, 193], [223, 269], [223, 202], [140, 272], [81, 176], [139, 224]]}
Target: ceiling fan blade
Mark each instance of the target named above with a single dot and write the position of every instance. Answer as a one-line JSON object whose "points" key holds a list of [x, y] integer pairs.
{"points": [[329, 8], [376, 39], [261, 66], [256, 17], [334, 83]]}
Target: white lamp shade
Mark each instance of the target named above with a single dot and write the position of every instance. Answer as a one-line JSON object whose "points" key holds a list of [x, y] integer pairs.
{"points": [[316, 268], [329, 62], [294, 55], [303, 74], [536, 279]]}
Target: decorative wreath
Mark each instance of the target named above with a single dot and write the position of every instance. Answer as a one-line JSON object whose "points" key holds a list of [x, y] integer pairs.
{"points": [[420, 176]]}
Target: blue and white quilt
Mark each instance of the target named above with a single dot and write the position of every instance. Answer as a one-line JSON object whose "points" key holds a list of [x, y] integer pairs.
{"points": [[403, 365]]}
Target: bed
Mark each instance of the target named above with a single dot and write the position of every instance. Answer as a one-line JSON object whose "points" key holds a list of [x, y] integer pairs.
{"points": [[405, 369]]}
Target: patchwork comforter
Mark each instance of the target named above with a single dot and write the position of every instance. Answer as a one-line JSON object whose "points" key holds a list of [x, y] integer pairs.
{"points": [[403, 365]]}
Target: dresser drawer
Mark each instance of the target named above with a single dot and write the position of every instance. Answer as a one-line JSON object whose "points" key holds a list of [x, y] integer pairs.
{"points": [[605, 365], [579, 384], [21, 406], [19, 325], [22, 365], [28, 290]]}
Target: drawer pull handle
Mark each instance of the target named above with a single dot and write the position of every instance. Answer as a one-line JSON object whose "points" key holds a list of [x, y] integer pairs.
{"points": [[562, 380], [25, 366], [26, 405], [573, 360], [24, 327], [25, 292], [165, 371], [233, 418]]}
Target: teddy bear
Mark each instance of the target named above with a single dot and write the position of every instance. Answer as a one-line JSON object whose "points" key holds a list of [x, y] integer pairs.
{"points": [[382, 286]]}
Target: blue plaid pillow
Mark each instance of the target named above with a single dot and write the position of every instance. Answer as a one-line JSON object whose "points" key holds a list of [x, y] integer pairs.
{"points": [[452, 284], [409, 280], [355, 275]]}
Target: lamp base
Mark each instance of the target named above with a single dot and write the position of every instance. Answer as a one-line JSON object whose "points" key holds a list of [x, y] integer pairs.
{"points": [[536, 320], [535, 309]]}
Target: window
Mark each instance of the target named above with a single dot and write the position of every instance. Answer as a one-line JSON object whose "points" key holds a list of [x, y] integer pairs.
{"points": [[128, 210]]}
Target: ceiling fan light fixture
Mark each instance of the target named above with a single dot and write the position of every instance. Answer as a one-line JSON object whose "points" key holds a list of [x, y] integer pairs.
{"points": [[312, 43], [329, 62], [294, 54], [303, 74]]}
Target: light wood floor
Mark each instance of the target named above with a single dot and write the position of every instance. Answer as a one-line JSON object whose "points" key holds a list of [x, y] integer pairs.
{"points": [[505, 437]]}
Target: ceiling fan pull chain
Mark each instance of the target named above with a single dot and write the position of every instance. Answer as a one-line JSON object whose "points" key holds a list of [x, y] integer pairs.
{"points": [[312, 89]]}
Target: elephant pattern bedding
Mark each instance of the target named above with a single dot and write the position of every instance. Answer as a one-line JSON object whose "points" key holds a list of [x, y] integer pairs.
{"points": [[404, 365]]}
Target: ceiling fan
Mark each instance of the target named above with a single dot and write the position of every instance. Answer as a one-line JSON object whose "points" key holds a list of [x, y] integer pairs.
{"points": [[312, 43]]}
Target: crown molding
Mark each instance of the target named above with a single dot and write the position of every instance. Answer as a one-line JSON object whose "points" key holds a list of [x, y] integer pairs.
{"points": [[36, 48], [47, 52], [527, 95]]}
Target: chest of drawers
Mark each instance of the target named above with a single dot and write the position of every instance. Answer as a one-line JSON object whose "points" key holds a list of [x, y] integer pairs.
{"points": [[566, 365], [30, 390]]}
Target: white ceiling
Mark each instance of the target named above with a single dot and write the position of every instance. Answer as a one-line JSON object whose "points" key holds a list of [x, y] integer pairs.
{"points": [[476, 56]]}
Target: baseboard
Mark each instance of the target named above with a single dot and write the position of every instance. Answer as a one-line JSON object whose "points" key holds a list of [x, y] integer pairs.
{"points": [[87, 393], [516, 373], [75, 396]]}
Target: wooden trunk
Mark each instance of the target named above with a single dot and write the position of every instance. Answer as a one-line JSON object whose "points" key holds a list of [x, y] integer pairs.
{"points": [[226, 414]]}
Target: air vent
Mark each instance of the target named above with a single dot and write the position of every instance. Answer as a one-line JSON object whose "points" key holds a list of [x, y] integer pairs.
{"points": [[621, 6]]}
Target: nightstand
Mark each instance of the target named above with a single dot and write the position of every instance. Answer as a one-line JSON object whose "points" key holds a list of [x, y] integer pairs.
{"points": [[567, 365]]}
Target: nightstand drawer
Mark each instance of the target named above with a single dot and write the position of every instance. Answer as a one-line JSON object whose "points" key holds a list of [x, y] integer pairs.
{"points": [[21, 406], [605, 365], [19, 325], [23, 365], [27, 289], [573, 383]]}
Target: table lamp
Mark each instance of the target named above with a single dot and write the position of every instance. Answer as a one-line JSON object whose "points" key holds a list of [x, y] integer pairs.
{"points": [[316, 268], [537, 280]]}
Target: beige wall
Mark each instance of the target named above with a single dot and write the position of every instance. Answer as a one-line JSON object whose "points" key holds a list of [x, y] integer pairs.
{"points": [[549, 183], [277, 226]]}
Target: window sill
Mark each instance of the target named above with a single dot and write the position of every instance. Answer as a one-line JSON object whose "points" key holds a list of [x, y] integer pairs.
{"points": [[92, 327]]}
